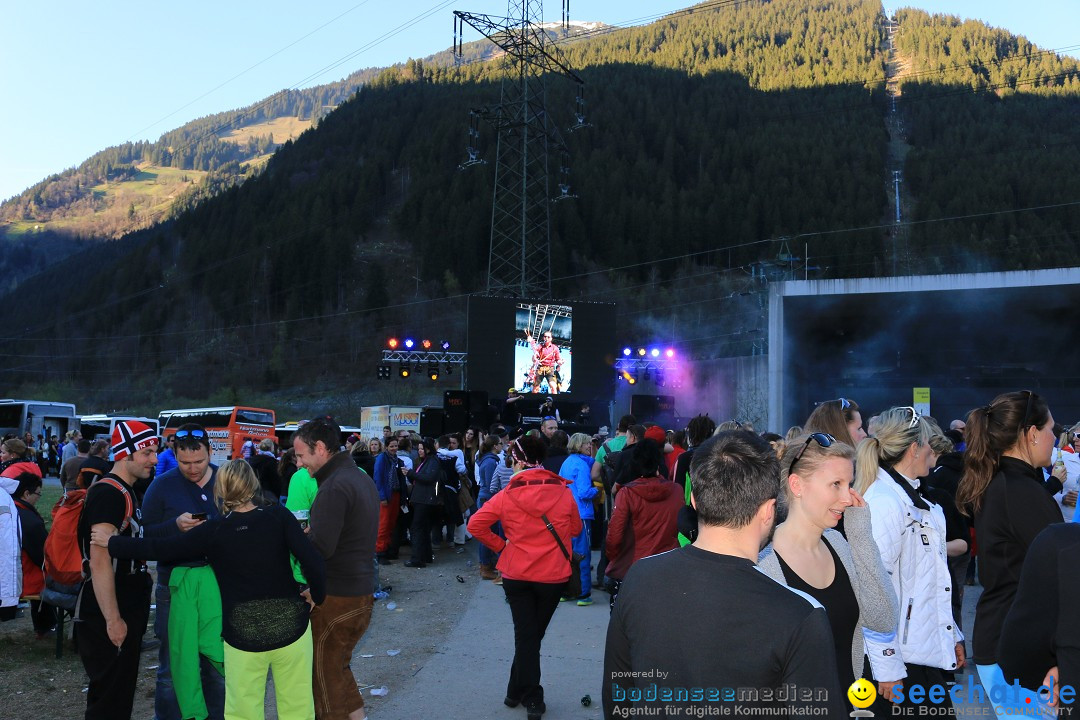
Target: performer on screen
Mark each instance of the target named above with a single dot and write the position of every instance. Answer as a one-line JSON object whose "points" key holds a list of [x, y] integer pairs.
{"points": [[546, 363]]}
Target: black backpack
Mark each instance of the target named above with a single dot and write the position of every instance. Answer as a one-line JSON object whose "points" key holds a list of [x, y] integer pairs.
{"points": [[449, 467], [610, 465]]}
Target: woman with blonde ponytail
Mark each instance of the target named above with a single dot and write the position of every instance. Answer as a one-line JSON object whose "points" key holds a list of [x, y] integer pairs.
{"points": [[1009, 441], [909, 531]]}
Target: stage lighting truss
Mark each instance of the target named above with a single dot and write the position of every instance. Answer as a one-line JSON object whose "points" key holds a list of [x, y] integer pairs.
{"points": [[646, 368], [414, 362], [425, 358]]}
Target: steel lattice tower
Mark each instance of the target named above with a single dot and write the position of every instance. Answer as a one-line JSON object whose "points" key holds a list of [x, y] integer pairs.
{"points": [[519, 262]]}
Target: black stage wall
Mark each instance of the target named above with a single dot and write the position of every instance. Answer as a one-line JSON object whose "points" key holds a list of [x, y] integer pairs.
{"points": [[874, 340]]}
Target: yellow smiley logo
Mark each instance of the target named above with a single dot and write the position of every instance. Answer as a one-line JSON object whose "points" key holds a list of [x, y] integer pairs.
{"points": [[862, 693]]}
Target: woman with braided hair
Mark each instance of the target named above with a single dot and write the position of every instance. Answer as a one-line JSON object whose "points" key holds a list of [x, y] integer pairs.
{"points": [[1009, 441]]}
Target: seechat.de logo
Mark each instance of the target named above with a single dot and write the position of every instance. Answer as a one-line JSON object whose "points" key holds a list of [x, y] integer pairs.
{"points": [[862, 695]]}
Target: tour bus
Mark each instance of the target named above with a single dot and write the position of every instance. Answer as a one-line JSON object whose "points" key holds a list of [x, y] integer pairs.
{"points": [[100, 427], [38, 417], [228, 427], [285, 432]]}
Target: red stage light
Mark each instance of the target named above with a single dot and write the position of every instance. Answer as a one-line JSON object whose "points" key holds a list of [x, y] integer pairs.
{"points": [[392, 343], [426, 344]]}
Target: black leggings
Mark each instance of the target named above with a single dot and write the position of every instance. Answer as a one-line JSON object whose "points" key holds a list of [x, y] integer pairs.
{"points": [[531, 605], [420, 530]]}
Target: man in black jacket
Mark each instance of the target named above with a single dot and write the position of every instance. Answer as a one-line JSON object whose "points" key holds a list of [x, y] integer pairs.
{"points": [[264, 463]]}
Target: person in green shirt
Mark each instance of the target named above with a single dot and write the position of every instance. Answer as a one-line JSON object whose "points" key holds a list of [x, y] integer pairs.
{"points": [[302, 489]]}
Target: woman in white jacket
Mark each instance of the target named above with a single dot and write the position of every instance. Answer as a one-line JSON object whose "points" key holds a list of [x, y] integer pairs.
{"points": [[910, 534], [10, 550]]}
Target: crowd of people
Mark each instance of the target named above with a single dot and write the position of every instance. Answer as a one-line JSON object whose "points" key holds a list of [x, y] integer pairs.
{"points": [[837, 551], [874, 527]]}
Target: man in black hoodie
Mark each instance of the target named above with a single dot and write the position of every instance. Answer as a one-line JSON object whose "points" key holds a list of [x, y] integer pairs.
{"points": [[557, 443], [941, 486]]}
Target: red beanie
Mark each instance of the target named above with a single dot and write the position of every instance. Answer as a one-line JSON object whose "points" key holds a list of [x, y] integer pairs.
{"points": [[131, 436]]}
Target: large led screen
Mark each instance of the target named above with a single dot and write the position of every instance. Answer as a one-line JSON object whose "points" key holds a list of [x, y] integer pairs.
{"points": [[543, 348]]}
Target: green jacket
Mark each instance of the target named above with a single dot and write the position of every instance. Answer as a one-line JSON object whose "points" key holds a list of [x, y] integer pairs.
{"points": [[194, 631]]}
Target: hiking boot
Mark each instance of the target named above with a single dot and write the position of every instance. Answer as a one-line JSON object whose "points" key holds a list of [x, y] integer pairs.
{"points": [[487, 572]]}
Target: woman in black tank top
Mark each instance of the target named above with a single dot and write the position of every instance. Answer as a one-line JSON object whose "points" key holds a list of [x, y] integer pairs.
{"points": [[808, 555]]}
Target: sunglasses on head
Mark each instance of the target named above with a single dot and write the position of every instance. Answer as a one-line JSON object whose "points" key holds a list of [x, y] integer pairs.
{"points": [[1027, 411], [823, 439], [916, 418], [181, 434]]}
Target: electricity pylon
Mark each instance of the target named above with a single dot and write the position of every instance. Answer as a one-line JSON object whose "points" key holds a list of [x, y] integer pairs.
{"points": [[519, 261]]}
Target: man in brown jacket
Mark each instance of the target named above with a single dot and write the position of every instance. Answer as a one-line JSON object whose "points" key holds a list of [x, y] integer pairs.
{"points": [[344, 523]]}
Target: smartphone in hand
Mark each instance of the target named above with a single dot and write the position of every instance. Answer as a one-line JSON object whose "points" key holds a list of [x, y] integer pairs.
{"points": [[198, 516]]}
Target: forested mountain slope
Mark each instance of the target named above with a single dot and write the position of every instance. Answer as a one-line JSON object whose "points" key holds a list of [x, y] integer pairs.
{"points": [[715, 135]]}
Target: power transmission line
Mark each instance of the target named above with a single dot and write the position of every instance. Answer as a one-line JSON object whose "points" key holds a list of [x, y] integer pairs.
{"points": [[562, 278], [246, 71]]}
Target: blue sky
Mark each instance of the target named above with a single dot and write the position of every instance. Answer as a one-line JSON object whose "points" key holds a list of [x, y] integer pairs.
{"points": [[76, 77]]}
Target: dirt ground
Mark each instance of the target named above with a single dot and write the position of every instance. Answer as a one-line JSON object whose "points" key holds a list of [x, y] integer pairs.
{"points": [[33, 683]]}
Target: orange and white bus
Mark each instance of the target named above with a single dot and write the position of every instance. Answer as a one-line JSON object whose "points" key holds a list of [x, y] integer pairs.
{"points": [[228, 427]]}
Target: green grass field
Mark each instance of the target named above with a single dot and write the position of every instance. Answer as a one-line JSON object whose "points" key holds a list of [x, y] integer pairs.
{"points": [[49, 495]]}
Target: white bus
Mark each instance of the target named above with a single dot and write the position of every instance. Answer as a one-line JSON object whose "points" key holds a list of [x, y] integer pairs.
{"points": [[37, 417], [285, 432], [100, 427]]}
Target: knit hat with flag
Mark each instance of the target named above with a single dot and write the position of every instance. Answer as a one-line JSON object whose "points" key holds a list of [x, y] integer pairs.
{"points": [[131, 436]]}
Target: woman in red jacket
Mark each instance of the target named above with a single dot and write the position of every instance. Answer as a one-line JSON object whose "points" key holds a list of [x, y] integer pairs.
{"points": [[534, 568], [645, 519]]}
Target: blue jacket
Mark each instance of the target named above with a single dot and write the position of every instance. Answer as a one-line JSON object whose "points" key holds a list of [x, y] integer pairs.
{"points": [[385, 478], [166, 461], [485, 470], [577, 470]]}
